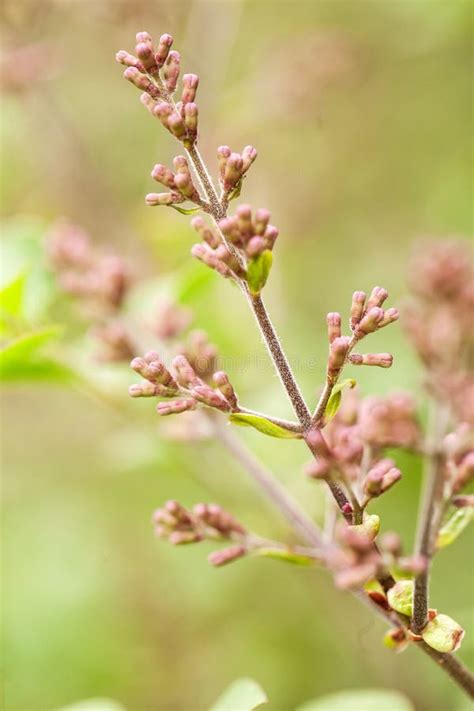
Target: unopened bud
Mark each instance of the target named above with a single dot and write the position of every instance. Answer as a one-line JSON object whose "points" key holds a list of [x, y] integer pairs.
{"points": [[226, 555], [210, 397], [261, 220], [357, 308], [382, 360], [191, 114], [222, 381], [390, 315], [133, 75], [400, 597], [333, 321], [176, 125], [145, 54], [190, 85], [154, 199], [255, 246], [175, 407], [391, 543], [337, 355], [232, 171], [185, 372], [443, 634], [377, 297], [129, 60], [185, 185], [248, 156], [318, 469], [171, 71], [163, 49], [370, 322], [163, 175]]}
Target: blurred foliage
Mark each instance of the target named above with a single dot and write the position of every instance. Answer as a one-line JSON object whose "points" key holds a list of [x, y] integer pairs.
{"points": [[362, 115]]}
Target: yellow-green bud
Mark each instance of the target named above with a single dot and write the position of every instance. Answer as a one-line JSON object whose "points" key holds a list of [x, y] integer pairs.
{"points": [[400, 597]]}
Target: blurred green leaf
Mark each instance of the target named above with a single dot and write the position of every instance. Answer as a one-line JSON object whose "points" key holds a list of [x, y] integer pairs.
{"points": [[258, 270], [454, 526], [11, 296], [21, 360], [192, 281], [287, 556], [94, 705], [241, 695], [262, 425], [335, 398], [360, 700]]}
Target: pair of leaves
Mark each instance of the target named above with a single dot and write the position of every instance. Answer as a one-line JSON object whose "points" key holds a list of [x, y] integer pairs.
{"points": [[258, 270], [263, 425]]}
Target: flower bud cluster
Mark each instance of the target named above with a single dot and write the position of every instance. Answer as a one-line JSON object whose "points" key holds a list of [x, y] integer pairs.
{"points": [[438, 322], [180, 184], [361, 561], [233, 167], [191, 377], [205, 522], [380, 478], [251, 236], [97, 278], [116, 342], [155, 71], [390, 421]]}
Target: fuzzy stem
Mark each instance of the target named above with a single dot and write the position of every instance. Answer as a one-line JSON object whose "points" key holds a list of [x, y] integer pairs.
{"points": [[428, 521]]}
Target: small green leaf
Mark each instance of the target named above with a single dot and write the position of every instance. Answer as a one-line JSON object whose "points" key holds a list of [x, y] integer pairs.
{"points": [[258, 270], [186, 210], [360, 700], [262, 425], [241, 695], [235, 193], [443, 634], [288, 556], [21, 359], [94, 705], [335, 398], [11, 296], [454, 526], [400, 597], [369, 527]]}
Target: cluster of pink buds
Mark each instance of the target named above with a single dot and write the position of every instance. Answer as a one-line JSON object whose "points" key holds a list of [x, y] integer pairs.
{"points": [[169, 320], [181, 380], [380, 478], [205, 522], [458, 448], [359, 561], [155, 71], [115, 340], [180, 184], [233, 167], [390, 421], [98, 278], [367, 316], [439, 322], [245, 253]]}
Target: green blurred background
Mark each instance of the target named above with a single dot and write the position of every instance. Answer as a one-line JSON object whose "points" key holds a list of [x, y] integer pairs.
{"points": [[362, 115]]}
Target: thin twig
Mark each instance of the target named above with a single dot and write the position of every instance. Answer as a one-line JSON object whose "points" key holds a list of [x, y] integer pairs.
{"points": [[428, 520]]}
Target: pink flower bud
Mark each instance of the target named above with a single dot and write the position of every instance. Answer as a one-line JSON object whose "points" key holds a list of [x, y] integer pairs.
{"points": [[382, 360], [133, 75], [261, 220], [176, 125], [223, 153], [248, 156], [154, 199], [191, 114], [226, 555], [145, 38], [148, 102], [162, 110], [175, 407], [207, 256], [255, 246], [222, 381], [145, 54], [163, 175], [163, 49], [337, 355], [190, 85], [333, 321], [318, 469], [377, 297], [210, 397], [357, 308], [390, 316], [171, 71], [129, 60], [198, 224], [232, 171], [370, 322], [185, 185], [270, 234]]}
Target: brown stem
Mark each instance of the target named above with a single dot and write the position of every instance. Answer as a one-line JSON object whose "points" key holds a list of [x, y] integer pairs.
{"points": [[429, 518]]}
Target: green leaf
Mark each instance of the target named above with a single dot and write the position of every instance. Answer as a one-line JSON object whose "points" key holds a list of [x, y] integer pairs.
{"points": [[400, 597], [287, 556], [21, 359], [335, 398], [263, 425], [186, 210], [235, 192], [443, 634], [94, 705], [11, 296], [241, 695], [454, 526], [258, 270], [360, 700]]}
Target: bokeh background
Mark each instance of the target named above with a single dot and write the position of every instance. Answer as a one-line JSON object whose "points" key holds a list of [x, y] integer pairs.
{"points": [[362, 115]]}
